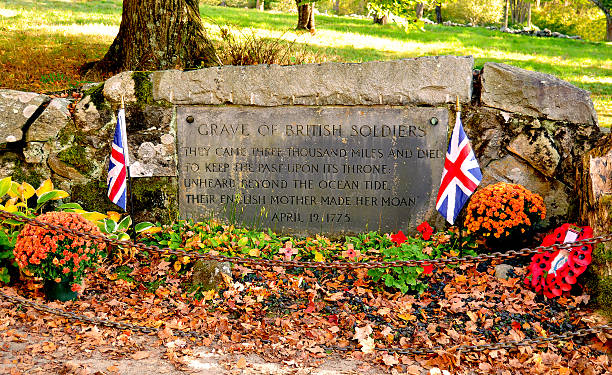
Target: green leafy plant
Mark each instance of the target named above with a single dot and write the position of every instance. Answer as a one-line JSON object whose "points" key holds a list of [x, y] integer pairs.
{"points": [[403, 278]]}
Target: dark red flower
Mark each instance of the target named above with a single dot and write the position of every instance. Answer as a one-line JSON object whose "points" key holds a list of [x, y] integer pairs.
{"points": [[398, 238]]}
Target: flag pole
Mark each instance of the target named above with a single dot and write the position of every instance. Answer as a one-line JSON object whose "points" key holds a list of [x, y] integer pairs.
{"points": [[459, 226], [127, 162]]}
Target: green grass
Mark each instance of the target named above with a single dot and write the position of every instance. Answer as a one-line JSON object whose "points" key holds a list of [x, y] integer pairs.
{"points": [[40, 38]]}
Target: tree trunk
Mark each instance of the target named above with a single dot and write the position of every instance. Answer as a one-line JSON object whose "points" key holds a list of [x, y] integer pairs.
{"points": [[609, 28], [306, 19], [337, 7], [506, 14], [383, 20], [158, 34], [419, 10], [529, 15], [260, 5], [438, 12]]}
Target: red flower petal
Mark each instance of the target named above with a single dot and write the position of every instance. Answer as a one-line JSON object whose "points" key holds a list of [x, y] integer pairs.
{"points": [[398, 238]]}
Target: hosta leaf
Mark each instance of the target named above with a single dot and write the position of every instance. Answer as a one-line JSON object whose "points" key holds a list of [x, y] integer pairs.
{"points": [[45, 187], [5, 185]]}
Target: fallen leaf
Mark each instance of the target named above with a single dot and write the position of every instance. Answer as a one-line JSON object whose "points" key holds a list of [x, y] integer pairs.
{"points": [[389, 360], [141, 354], [242, 363]]}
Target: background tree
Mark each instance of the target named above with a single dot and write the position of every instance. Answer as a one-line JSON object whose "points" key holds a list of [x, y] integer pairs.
{"points": [[606, 7], [158, 34], [306, 20]]}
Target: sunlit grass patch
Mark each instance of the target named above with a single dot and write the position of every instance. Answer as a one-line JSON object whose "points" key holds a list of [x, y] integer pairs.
{"points": [[43, 43]]}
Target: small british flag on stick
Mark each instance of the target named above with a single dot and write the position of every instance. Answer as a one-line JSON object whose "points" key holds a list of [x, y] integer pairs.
{"points": [[119, 163], [461, 173]]}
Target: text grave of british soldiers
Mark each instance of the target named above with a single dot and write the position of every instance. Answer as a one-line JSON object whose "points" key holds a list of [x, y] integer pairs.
{"points": [[303, 170]]}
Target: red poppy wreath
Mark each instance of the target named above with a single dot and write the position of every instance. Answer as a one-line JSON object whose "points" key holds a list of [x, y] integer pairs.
{"points": [[554, 272]]}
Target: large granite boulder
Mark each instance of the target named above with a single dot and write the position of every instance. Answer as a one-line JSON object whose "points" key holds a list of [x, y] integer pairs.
{"points": [[535, 94]]}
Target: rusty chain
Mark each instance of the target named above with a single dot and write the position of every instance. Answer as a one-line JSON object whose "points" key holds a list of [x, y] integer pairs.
{"points": [[306, 264], [409, 351]]}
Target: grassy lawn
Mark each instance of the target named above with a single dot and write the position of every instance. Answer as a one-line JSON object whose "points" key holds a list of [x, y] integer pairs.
{"points": [[42, 44]]}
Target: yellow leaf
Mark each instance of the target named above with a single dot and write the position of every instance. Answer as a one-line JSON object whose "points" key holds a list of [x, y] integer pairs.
{"points": [[209, 294], [93, 216], [152, 230], [254, 252], [185, 259], [114, 216], [407, 317], [11, 202], [177, 266], [26, 191], [44, 187], [564, 371], [319, 257]]}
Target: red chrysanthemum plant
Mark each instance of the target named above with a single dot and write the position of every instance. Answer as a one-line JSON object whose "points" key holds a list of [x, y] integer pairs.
{"points": [[55, 255]]}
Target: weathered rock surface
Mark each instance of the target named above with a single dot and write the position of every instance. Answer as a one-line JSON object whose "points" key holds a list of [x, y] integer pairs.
{"points": [[424, 80], [64, 170], [535, 94], [211, 274], [50, 122], [120, 85], [556, 195], [504, 271], [538, 150], [16, 108], [86, 115], [36, 152]]}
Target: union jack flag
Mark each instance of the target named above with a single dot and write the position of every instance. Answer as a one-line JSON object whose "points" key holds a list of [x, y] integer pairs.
{"points": [[118, 164], [461, 174]]}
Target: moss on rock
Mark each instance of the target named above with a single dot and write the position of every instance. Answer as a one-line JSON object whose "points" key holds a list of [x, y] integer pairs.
{"points": [[92, 196], [97, 96], [143, 88], [155, 199], [77, 157]]}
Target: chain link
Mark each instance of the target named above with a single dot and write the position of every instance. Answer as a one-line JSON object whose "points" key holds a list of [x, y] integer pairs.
{"points": [[410, 351], [306, 264]]}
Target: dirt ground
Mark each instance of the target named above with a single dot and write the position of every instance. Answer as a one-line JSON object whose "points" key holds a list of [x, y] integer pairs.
{"points": [[24, 351]]}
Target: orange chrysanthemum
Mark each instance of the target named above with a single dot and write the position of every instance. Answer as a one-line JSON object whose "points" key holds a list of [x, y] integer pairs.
{"points": [[502, 209], [53, 255]]}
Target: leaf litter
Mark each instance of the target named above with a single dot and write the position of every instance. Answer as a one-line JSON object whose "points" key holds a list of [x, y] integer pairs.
{"points": [[303, 318]]}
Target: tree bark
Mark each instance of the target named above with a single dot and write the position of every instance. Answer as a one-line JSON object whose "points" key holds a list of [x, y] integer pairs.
{"points": [[438, 12], [158, 34], [506, 14], [337, 7], [529, 15], [306, 19], [260, 5], [419, 10], [607, 11]]}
